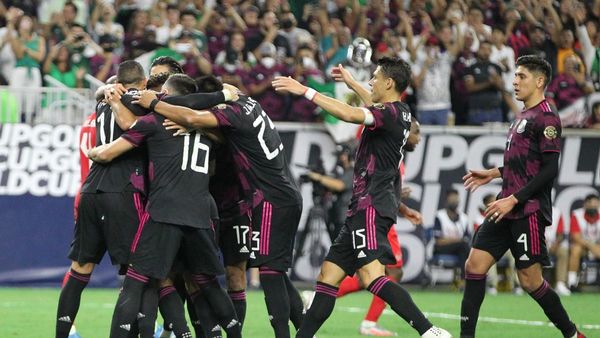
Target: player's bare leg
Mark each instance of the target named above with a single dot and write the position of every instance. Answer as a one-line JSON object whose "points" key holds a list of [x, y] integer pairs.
{"points": [[532, 281], [236, 288], [477, 265], [70, 297]]}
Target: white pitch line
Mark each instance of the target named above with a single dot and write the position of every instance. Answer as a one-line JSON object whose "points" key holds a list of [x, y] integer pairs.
{"points": [[481, 319]]}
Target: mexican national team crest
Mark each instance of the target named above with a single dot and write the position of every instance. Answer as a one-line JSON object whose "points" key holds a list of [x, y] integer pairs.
{"points": [[550, 132], [521, 126]]}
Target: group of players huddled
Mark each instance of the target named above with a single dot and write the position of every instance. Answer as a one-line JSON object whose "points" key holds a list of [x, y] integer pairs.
{"points": [[183, 169]]}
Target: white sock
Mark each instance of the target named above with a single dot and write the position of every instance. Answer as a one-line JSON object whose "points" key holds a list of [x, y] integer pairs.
{"points": [[572, 278]]}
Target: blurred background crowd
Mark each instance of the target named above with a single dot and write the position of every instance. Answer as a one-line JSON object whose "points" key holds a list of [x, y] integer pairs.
{"points": [[462, 52]]}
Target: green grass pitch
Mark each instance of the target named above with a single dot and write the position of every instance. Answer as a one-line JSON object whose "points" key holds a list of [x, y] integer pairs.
{"points": [[29, 313]]}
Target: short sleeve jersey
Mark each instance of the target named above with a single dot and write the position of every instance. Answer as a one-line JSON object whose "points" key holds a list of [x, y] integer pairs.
{"points": [[177, 172], [129, 168], [376, 174], [257, 153], [536, 132]]}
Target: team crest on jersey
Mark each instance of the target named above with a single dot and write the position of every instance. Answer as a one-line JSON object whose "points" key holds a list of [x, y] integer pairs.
{"points": [[550, 132], [521, 126], [379, 106]]}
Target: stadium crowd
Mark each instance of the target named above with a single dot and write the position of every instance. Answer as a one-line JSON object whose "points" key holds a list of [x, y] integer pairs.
{"points": [[462, 52]]}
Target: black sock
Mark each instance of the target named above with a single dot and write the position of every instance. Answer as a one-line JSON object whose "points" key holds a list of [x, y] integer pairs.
{"points": [[238, 298], [172, 310], [68, 303], [554, 310], [277, 300], [128, 304], [196, 323], [471, 303], [401, 302], [220, 304], [296, 304], [208, 323], [320, 309], [147, 315]]}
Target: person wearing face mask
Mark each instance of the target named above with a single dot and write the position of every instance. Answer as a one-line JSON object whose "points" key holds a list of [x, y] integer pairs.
{"points": [[451, 230], [258, 82], [305, 68], [585, 236]]}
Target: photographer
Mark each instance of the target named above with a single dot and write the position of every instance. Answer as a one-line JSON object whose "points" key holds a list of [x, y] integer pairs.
{"points": [[340, 185]]}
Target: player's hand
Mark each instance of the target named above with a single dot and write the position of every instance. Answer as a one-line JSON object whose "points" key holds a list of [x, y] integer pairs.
{"points": [[144, 98], [476, 178], [341, 74], [498, 209], [179, 130], [233, 92], [287, 84], [412, 215], [114, 91]]}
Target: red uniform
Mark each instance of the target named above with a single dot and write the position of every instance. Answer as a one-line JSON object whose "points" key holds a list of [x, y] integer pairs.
{"points": [[87, 141]]}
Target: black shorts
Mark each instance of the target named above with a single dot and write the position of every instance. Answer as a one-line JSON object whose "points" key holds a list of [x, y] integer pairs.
{"points": [[524, 237], [154, 252], [273, 234], [106, 221], [234, 239], [362, 239]]}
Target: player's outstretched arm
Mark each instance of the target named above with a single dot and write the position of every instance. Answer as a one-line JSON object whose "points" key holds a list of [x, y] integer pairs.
{"points": [[476, 178], [108, 152], [341, 74], [336, 108], [181, 115]]}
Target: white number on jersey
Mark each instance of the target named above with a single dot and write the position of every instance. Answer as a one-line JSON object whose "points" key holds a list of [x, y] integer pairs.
{"points": [[203, 168], [260, 121], [100, 119]]}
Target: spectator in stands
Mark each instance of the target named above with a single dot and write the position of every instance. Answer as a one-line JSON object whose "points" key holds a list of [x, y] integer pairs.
{"points": [[432, 72], [259, 80], [451, 230], [585, 237], [459, 93], [594, 120], [195, 63], [190, 24], [570, 85], [269, 33], [61, 23], [140, 37], [475, 21], [541, 45], [589, 38], [515, 30], [289, 29], [567, 49], [343, 39], [236, 53], [82, 47], [324, 34], [484, 83], [7, 56], [557, 242], [251, 19], [103, 21], [504, 56], [170, 29], [305, 68], [105, 65], [29, 49], [58, 65]]}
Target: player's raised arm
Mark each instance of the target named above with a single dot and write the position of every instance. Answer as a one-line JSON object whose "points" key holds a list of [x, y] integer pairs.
{"points": [[108, 152], [181, 115], [336, 108], [341, 74]]}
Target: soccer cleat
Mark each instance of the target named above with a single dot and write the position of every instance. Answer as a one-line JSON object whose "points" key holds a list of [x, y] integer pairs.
{"points": [[579, 335], [73, 333], [436, 332], [368, 328], [562, 289], [492, 291]]}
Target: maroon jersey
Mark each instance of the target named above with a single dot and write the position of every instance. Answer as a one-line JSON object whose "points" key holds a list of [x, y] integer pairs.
{"points": [[537, 131], [272, 102], [257, 153], [376, 175]]}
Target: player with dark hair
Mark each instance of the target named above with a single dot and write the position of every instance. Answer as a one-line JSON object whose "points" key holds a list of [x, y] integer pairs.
{"points": [[362, 245], [517, 220], [160, 70], [110, 207], [178, 219], [269, 190]]}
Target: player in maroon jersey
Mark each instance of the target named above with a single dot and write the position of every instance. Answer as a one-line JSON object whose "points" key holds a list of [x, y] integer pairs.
{"points": [[518, 218]]}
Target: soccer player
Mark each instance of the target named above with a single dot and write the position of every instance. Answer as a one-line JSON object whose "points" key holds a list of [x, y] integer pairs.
{"points": [[270, 191], [179, 217], [110, 207], [362, 245], [517, 220]]}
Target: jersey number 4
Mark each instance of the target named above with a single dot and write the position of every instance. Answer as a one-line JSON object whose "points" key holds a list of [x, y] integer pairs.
{"points": [[196, 148]]}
